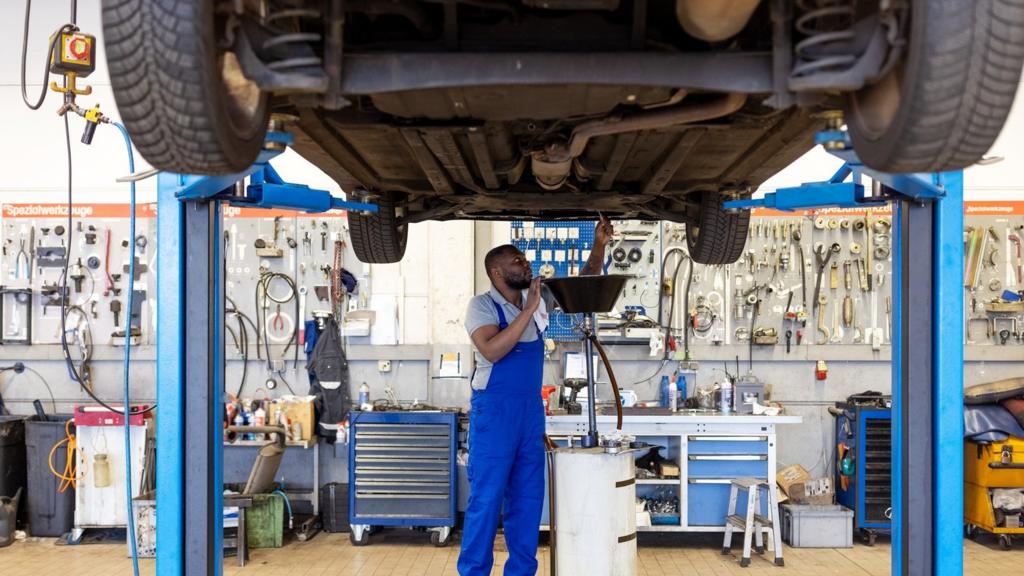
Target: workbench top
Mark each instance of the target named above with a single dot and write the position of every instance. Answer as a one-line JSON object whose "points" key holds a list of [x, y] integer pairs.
{"points": [[681, 417]]}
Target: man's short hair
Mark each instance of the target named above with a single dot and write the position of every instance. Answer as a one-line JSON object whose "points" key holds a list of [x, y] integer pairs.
{"points": [[491, 260]]}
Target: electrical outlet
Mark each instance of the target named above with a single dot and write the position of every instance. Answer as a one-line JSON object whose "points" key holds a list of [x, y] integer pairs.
{"points": [[384, 365]]}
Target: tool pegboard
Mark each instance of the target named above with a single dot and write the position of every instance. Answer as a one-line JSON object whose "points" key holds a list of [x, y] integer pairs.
{"points": [[36, 245], [993, 283], [555, 249], [772, 294], [298, 252]]}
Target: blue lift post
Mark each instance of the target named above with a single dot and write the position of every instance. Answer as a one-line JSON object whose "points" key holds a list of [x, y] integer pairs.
{"points": [[190, 349], [927, 348]]}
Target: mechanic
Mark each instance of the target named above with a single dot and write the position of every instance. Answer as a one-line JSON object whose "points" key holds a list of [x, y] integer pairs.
{"points": [[506, 433]]}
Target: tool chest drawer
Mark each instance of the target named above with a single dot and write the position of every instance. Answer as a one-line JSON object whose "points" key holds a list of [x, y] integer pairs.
{"points": [[402, 468]]}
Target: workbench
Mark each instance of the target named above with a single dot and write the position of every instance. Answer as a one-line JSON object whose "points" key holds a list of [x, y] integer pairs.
{"points": [[710, 448]]}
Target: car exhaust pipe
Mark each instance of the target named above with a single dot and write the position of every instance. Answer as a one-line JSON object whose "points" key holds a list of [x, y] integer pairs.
{"points": [[551, 165], [714, 20]]}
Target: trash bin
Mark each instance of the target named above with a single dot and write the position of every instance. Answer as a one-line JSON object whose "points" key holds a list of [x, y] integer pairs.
{"points": [[8, 518], [50, 512], [12, 457]]}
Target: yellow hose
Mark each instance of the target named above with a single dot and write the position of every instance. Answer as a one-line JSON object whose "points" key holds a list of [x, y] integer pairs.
{"points": [[68, 478]]}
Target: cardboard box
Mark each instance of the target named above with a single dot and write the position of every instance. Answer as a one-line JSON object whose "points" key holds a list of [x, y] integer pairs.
{"points": [[668, 469], [296, 409], [800, 488]]}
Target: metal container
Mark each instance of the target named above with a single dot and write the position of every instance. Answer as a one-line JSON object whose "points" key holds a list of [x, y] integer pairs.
{"points": [[595, 512], [587, 294]]}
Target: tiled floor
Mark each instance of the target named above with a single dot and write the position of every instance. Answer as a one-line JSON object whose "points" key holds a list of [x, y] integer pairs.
{"points": [[407, 553]]}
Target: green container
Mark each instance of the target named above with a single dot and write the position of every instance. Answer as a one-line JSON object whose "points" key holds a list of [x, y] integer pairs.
{"points": [[264, 521]]}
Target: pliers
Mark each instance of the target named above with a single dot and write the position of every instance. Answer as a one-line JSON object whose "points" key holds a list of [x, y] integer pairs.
{"points": [[17, 261]]}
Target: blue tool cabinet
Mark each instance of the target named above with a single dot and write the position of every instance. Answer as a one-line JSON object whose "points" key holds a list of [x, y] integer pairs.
{"points": [[402, 472], [867, 433]]}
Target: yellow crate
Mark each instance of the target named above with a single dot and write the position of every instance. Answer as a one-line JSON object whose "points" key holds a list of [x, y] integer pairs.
{"points": [[984, 464], [978, 510]]}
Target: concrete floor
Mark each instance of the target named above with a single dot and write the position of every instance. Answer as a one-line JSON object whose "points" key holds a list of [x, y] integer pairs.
{"points": [[407, 553]]}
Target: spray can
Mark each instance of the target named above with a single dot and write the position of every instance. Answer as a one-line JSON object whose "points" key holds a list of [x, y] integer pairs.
{"points": [[725, 401], [673, 396], [364, 397]]}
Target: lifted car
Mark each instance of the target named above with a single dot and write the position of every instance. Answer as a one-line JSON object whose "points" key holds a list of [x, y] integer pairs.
{"points": [[552, 109]]}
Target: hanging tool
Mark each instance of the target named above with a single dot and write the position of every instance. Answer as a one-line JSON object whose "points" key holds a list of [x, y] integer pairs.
{"points": [[976, 239], [77, 275], [823, 257], [888, 317], [869, 239], [822, 303], [22, 255], [107, 279], [1015, 240], [115, 309], [833, 276], [837, 329], [307, 245]]}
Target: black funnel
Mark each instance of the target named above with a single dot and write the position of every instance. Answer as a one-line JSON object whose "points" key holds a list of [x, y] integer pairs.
{"points": [[587, 294]]}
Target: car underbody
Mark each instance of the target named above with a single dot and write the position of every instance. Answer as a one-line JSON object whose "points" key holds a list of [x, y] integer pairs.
{"points": [[489, 125]]}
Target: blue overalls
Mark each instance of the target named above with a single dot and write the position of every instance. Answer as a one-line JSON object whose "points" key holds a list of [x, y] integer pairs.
{"points": [[506, 462]]}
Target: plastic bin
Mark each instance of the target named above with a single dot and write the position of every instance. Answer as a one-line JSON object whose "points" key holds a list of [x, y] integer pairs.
{"points": [[806, 526], [50, 513], [13, 468], [334, 507]]}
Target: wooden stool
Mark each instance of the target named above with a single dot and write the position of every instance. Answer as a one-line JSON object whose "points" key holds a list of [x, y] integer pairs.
{"points": [[754, 524]]}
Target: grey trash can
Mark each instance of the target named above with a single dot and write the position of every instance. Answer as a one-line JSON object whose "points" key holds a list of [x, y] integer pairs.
{"points": [[50, 513], [13, 468]]}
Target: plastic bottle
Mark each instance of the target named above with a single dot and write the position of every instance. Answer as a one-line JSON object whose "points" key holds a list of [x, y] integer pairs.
{"points": [[364, 396], [664, 394], [100, 471], [725, 402], [681, 387], [259, 418]]}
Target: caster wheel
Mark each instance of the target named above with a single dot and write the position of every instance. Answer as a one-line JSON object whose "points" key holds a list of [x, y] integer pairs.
{"points": [[970, 531], [780, 562], [361, 541], [440, 540], [726, 551], [744, 562], [1005, 542]]}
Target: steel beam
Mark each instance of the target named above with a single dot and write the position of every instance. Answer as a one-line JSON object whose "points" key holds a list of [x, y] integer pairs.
{"points": [[190, 384], [743, 72], [927, 383]]}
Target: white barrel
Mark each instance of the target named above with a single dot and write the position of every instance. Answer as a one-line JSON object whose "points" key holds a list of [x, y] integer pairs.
{"points": [[595, 513]]}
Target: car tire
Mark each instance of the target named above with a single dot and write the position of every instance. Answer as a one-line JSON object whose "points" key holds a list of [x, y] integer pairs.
{"points": [[719, 235], [942, 108], [379, 238], [184, 101]]}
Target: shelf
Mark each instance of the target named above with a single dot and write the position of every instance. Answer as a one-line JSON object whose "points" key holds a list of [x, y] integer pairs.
{"points": [[662, 481], [304, 444]]}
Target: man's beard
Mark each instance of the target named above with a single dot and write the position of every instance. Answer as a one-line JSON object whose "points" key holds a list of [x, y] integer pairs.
{"points": [[520, 283]]}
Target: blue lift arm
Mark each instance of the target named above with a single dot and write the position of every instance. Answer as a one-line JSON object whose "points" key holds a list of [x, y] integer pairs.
{"points": [[927, 349]]}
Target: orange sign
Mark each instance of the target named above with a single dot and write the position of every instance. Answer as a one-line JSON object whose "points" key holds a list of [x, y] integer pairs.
{"points": [[883, 210], [246, 212], [78, 210], [993, 208]]}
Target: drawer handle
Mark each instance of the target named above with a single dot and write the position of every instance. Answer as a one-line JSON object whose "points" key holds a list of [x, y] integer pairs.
{"points": [[627, 538], [727, 438], [624, 483], [731, 457], [719, 480]]}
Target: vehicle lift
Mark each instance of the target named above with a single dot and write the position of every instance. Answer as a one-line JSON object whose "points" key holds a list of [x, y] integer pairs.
{"points": [[190, 347], [927, 353]]}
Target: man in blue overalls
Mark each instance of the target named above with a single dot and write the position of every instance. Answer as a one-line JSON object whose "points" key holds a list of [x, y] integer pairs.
{"points": [[506, 431]]}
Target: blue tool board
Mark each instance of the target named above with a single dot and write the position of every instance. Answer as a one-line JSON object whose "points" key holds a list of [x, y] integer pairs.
{"points": [[560, 325]]}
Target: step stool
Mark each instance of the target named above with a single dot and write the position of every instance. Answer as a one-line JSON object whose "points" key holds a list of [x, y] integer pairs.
{"points": [[754, 524]]}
